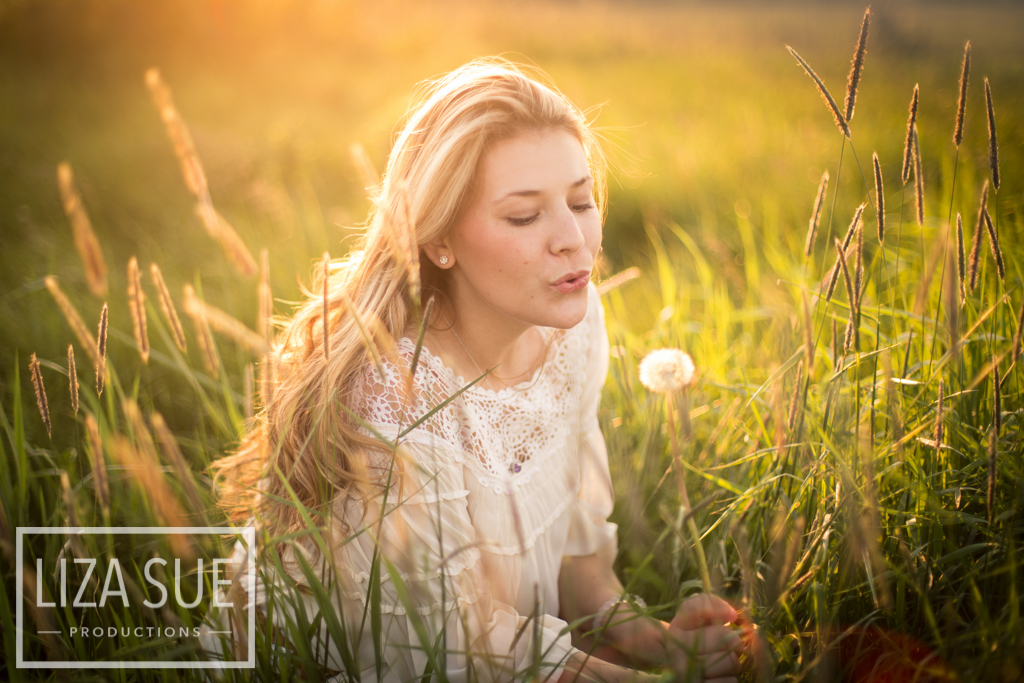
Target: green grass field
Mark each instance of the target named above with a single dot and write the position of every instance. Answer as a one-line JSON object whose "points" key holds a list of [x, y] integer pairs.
{"points": [[836, 524]]}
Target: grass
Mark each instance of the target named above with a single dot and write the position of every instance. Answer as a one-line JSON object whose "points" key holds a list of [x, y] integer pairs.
{"points": [[846, 533]]}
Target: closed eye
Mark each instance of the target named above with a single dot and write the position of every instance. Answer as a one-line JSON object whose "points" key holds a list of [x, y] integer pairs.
{"points": [[522, 221], [580, 208]]}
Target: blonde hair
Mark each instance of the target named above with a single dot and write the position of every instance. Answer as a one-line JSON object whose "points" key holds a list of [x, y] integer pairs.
{"points": [[302, 438]]}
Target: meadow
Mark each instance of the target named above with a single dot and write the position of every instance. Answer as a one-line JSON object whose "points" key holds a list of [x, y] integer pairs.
{"points": [[861, 503]]}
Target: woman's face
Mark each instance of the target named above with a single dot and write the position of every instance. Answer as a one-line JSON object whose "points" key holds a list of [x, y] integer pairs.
{"points": [[525, 246]]}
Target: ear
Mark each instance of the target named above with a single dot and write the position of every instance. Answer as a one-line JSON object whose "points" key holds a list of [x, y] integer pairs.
{"points": [[436, 249]]}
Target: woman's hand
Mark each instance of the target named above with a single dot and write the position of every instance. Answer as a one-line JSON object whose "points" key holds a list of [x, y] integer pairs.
{"points": [[700, 645]]}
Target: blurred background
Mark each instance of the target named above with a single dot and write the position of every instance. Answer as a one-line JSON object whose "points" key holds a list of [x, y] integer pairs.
{"points": [[710, 123]]}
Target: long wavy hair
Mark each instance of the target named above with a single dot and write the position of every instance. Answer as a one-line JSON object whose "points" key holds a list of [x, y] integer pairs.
{"points": [[303, 442]]}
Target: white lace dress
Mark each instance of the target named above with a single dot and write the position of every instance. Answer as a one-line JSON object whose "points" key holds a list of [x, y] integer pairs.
{"points": [[498, 486]]}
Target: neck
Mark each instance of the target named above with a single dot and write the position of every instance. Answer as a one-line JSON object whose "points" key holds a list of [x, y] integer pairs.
{"points": [[474, 338]]}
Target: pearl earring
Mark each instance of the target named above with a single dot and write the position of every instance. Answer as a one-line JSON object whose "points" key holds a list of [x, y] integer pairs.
{"points": [[443, 260]]}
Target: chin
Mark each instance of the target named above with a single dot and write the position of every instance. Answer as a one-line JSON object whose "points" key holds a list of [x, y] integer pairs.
{"points": [[569, 313]]}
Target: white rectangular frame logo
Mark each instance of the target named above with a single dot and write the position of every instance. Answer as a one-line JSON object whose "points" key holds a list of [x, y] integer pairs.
{"points": [[248, 533]]}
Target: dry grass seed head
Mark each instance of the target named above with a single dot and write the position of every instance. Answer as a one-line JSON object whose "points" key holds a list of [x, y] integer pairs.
{"points": [[993, 243], [85, 238], [918, 180], [975, 259], [879, 198], [939, 424], [202, 329], [831, 103], [819, 201], [167, 307], [961, 105], [177, 459], [72, 379], [181, 141], [101, 350], [224, 323], [137, 308], [794, 402], [857, 65], [850, 232], [265, 300], [993, 145], [37, 385], [230, 243], [364, 166], [908, 146], [85, 338]]}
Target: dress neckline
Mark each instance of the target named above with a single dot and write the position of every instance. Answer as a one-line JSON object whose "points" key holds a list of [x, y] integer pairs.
{"points": [[460, 382]]}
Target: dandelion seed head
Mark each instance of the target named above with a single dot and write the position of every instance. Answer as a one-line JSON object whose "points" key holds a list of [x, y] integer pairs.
{"points": [[666, 370]]}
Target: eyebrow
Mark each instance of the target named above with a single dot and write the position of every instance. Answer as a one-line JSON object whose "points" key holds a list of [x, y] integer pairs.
{"points": [[532, 193]]}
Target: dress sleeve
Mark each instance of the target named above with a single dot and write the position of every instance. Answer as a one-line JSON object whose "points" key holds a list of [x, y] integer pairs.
{"points": [[427, 537], [589, 528]]}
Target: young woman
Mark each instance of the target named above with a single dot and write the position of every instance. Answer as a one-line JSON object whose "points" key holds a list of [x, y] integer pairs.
{"points": [[485, 516]]}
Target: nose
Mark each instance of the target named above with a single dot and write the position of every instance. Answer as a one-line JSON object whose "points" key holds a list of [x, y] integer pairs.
{"points": [[567, 237]]}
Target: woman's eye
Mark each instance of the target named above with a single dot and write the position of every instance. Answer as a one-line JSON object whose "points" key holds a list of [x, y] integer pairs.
{"points": [[520, 221], [580, 208]]}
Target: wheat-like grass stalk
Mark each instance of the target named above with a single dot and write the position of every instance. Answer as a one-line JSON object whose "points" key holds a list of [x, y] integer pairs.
{"points": [[794, 402], [1018, 337], [976, 245], [224, 323], [850, 232], [99, 463], [961, 264], [248, 392], [173, 453], [85, 337], [68, 498], [990, 493], [808, 334], [819, 201], [37, 385], [961, 104], [101, 350], [993, 243], [879, 198], [265, 299], [85, 238], [327, 306], [908, 146], [72, 379], [230, 243], [137, 308], [939, 423], [918, 180], [993, 145], [167, 307], [364, 166], [202, 328], [850, 295], [181, 141], [858, 288], [620, 278], [831, 103], [407, 246], [142, 464], [836, 360], [857, 66]]}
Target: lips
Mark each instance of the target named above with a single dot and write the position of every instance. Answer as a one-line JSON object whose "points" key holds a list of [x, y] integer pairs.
{"points": [[572, 281]]}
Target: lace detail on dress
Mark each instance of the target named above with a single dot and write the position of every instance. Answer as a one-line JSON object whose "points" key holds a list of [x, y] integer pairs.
{"points": [[503, 437]]}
